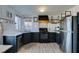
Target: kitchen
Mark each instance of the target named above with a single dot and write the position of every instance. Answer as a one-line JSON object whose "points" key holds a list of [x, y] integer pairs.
{"points": [[19, 28]]}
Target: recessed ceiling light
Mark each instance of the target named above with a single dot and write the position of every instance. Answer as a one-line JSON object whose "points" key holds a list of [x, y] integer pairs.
{"points": [[42, 10]]}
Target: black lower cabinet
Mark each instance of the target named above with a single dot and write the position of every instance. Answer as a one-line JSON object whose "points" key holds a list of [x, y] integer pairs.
{"points": [[15, 41], [52, 36], [61, 37], [26, 38], [58, 38], [35, 37], [78, 43]]}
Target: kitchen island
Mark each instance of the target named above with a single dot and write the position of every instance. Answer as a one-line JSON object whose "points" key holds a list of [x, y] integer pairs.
{"points": [[14, 39], [4, 48]]}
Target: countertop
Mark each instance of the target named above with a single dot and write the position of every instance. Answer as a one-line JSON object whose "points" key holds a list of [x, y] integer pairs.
{"points": [[64, 31], [15, 33], [58, 31], [12, 33], [4, 48]]}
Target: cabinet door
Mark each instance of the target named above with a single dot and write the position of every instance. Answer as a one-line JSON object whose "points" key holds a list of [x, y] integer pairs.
{"points": [[52, 37], [61, 39], [58, 38], [19, 41], [26, 38], [35, 37]]}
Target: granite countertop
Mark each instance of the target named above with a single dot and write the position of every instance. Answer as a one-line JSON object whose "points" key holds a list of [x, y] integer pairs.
{"points": [[4, 48]]}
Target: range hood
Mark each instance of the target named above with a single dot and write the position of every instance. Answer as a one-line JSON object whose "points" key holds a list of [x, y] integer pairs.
{"points": [[43, 18], [43, 21]]}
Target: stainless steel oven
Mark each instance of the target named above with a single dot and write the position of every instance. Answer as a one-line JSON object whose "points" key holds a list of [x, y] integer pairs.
{"points": [[43, 35]]}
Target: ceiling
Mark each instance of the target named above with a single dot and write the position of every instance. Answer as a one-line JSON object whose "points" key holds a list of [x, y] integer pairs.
{"points": [[34, 10]]}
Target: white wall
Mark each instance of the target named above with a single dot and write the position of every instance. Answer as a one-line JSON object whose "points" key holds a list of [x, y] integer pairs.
{"points": [[35, 25], [8, 27], [53, 27], [74, 10]]}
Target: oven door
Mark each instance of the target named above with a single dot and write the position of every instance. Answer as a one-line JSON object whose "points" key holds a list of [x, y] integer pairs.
{"points": [[43, 37]]}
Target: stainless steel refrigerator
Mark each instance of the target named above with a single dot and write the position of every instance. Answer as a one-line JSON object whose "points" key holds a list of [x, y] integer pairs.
{"points": [[69, 36], [67, 40]]}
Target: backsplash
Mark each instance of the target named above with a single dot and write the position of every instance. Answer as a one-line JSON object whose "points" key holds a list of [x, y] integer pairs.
{"points": [[35, 27], [43, 25], [53, 27]]}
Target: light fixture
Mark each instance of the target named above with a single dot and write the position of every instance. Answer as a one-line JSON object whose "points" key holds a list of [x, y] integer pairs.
{"points": [[42, 10]]}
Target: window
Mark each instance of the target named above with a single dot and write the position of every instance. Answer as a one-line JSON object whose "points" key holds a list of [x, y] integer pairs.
{"points": [[18, 23], [28, 26]]}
